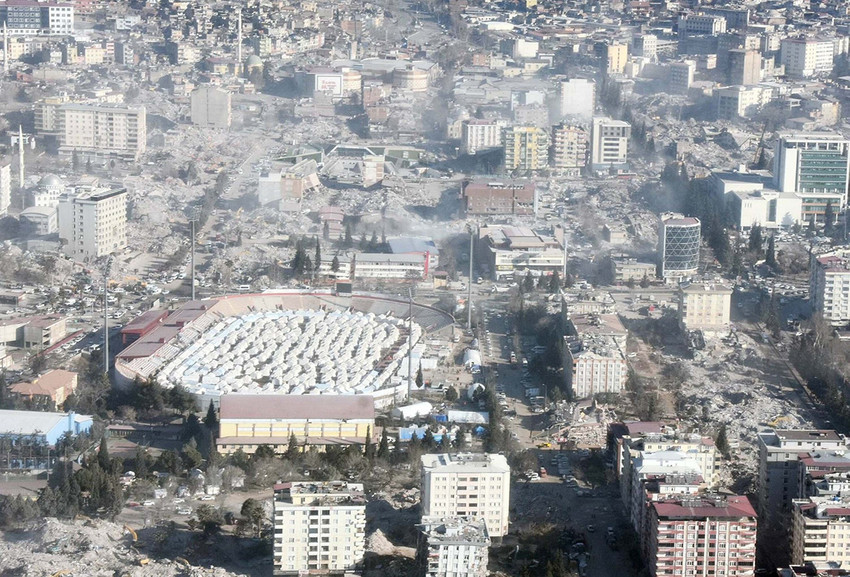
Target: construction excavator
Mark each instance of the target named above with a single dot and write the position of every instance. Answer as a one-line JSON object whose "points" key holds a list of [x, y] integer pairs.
{"points": [[132, 533]]}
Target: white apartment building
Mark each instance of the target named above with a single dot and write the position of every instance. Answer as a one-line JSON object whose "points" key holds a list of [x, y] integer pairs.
{"points": [[595, 365], [453, 547], [829, 286], [705, 306], [514, 250], [735, 102], [609, 143], [390, 266], [479, 135], [37, 18], [820, 530], [577, 98], [5, 186], [806, 57], [570, 148], [468, 485], [319, 527], [93, 224], [94, 129], [698, 24]]}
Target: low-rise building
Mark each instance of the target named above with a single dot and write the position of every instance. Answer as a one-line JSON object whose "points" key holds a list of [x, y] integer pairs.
{"points": [[594, 359], [468, 485], [632, 270], [453, 547], [319, 527], [286, 188], [40, 220], [40, 428], [705, 535], [43, 332], [512, 250], [52, 387], [390, 266], [248, 421], [704, 306], [210, 107]]}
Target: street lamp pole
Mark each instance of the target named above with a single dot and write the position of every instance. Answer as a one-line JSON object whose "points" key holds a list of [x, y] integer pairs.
{"points": [[409, 343], [106, 317], [469, 288], [192, 263]]}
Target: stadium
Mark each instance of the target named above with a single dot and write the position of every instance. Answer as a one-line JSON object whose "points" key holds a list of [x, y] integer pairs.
{"points": [[282, 343]]}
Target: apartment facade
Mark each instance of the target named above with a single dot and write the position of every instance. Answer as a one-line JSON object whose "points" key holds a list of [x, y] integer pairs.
{"points": [[93, 224], [475, 485], [806, 57], [820, 530], [526, 148], [569, 151], [500, 197], [704, 536], [577, 98], [609, 144], [28, 18], [698, 24], [453, 547], [478, 135], [210, 107], [780, 481], [390, 266], [94, 129], [705, 306], [511, 250], [319, 527], [829, 286], [248, 421]]}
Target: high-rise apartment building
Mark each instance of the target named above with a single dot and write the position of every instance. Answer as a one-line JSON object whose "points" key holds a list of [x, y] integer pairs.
{"points": [[526, 148], [829, 286], [806, 57], [5, 186], [702, 536], [468, 485], [94, 129], [820, 530], [319, 527], [453, 547], [816, 165], [477, 135], [577, 99], [780, 482], [93, 224], [609, 144], [614, 56], [679, 243], [744, 67], [211, 107], [569, 150], [37, 18]]}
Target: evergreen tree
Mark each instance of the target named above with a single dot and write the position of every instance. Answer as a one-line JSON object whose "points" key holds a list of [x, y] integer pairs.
{"points": [[384, 445], [308, 264], [828, 218], [335, 264], [211, 420], [644, 282], [460, 440], [347, 241], [756, 240], [451, 394], [554, 283], [326, 231], [770, 259], [541, 282], [373, 242], [363, 245], [428, 441], [369, 449], [299, 261], [103, 455], [812, 230], [419, 380], [293, 450], [317, 261], [527, 283], [721, 442]]}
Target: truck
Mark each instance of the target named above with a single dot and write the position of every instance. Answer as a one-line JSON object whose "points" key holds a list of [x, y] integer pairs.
{"points": [[456, 285], [532, 392]]}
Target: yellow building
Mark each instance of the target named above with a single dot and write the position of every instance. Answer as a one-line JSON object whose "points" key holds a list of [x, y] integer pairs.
{"points": [[705, 306], [248, 421], [526, 148]]}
